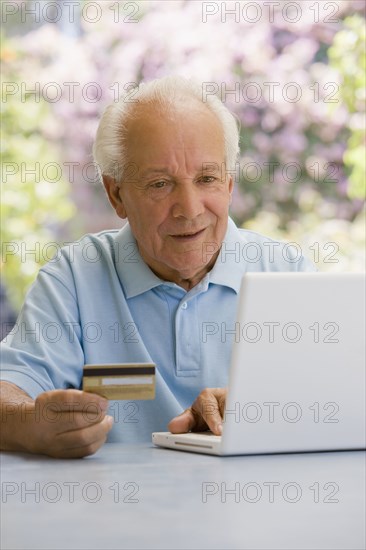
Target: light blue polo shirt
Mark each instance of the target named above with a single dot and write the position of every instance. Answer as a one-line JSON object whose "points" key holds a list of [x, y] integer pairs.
{"points": [[98, 302]]}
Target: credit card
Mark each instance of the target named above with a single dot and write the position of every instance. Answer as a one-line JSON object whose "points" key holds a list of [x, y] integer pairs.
{"points": [[129, 381]]}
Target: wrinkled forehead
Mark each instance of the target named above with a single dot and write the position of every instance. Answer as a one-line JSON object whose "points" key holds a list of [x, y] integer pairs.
{"points": [[169, 109], [158, 133]]}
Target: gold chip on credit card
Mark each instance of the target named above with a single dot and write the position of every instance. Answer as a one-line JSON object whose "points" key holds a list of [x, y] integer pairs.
{"points": [[120, 381]]}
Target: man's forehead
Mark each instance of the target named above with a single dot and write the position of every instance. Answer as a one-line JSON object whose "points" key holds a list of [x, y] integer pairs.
{"points": [[184, 110], [173, 105], [178, 160], [189, 139]]}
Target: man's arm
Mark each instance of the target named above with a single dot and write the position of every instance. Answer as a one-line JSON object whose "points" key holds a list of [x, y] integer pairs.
{"points": [[58, 423], [12, 432]]}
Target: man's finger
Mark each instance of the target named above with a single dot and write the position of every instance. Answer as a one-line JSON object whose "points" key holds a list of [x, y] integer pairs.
{"points": [[211, 414], [76, 400], [208, 406], [206, 413], [183, 423], [87, 437]]}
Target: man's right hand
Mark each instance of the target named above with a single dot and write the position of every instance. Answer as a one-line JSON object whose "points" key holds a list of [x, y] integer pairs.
{"points": [[59, 423]]}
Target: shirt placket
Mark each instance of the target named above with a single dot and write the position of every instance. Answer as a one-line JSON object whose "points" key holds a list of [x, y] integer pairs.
{"points": [[187, 338]]}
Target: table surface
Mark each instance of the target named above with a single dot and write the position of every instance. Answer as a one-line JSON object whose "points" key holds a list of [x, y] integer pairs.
{"points": [[143, 497]]}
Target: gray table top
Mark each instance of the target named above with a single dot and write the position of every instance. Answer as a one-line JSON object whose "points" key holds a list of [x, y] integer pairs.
{"points": [[141, 497]]}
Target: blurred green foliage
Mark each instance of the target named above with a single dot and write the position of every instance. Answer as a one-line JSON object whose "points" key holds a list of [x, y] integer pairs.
{"points": [[32, 206], [348, 56]]}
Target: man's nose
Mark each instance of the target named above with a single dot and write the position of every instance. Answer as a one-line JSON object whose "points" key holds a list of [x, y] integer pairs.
{"points": [[188, 202]]}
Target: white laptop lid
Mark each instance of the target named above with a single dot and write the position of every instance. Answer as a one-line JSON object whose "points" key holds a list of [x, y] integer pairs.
{"points": [[297, 377]]}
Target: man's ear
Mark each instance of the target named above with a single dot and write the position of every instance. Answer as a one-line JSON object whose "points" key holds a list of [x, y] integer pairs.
{"points": [[113, 191]]}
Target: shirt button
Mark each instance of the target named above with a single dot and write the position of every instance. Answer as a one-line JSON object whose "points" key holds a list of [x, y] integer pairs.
{"points": [[184, 306]]}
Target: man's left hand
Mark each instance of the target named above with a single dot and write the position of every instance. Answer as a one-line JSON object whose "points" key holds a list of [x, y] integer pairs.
{"points": [[206, 413]]}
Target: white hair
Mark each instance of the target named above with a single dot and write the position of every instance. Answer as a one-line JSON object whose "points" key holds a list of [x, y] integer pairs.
{"points": [[109, 148]]}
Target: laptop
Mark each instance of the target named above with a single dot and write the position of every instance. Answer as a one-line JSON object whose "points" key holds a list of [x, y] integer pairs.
{"points": [[297, 373]]}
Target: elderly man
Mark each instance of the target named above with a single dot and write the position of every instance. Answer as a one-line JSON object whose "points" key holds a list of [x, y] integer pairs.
{"points": [[144, 293]]}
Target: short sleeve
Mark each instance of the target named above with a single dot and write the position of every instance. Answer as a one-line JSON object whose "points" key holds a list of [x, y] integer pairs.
{"points": [[43, 351]]}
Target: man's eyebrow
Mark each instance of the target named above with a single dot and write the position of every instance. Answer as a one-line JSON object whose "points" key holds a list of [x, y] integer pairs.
{"points": [[205, 167], [209, 167], [151, 171]]}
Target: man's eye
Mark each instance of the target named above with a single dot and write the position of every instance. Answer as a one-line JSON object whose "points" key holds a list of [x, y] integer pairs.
{"points": [[158, 184], [208, 179]]}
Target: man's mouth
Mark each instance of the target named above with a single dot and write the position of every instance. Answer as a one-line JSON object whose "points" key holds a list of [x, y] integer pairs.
{"points": [[189, 236]]}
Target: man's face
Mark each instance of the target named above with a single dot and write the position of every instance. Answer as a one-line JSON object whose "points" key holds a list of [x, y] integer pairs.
{"points": [[175, 192]]}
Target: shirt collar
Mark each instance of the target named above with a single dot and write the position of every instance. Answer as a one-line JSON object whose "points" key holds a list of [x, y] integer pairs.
{"points": [[228, 269], [136, 276]]}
